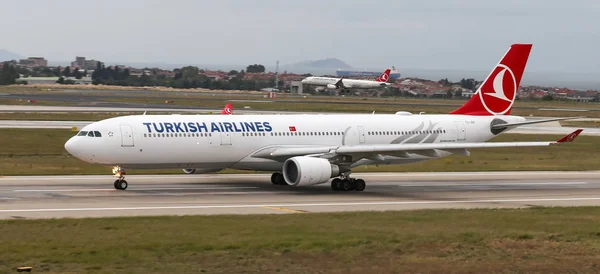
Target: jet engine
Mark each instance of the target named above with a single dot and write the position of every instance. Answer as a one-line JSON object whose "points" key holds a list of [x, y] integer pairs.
{"points": [[306, 171], [189, 170], [331, 86]]}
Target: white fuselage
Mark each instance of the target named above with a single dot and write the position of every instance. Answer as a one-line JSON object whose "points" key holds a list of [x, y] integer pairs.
{"points": [[214, 142], [348, 83]]}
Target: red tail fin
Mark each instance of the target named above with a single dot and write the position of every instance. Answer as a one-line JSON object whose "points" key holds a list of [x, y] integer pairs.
{"points": [[228, 109], [385, 76], [497, 93]]}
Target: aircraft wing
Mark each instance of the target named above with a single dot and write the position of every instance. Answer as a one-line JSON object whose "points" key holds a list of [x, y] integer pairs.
{"points": [[431, 150], [340, 83]]}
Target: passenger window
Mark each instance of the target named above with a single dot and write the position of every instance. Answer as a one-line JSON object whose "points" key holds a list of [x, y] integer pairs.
{"points": [[82, 133], [97, 134]]}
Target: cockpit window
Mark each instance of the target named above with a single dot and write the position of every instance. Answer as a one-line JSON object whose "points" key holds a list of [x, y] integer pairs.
{"points": [[90, 133]]}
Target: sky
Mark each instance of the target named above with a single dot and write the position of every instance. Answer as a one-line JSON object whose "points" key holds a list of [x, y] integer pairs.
{"points": [[427, 34]]}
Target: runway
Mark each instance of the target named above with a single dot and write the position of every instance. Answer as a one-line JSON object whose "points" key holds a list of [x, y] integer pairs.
{"points": [[94, 196]]}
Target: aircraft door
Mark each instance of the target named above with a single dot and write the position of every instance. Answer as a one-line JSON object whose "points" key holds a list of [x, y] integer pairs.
{"points": [[225, 138], [361, 135], [461, 130], [126, 136]]}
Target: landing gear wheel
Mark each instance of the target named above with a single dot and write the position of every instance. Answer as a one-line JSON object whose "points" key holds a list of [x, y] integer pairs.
{"points": [[360, 185], [120, 182], [274, 178], [346, 185], [336, 184], [277, 179]]}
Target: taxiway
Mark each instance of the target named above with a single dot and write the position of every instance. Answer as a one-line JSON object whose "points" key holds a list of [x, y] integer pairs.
{"points": [[94, 196]]}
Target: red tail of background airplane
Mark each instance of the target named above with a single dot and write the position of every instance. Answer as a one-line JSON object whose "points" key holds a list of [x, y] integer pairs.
{"points": [[385, 76], [227, 110]]}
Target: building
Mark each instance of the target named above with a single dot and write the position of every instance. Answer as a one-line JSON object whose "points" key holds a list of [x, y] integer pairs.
{"points": [[82, 63], [296, 87], [79, 62], [91, 64], [34, 62]]}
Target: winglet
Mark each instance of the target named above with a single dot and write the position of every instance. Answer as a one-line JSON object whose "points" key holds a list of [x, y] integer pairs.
{"points": [[570, 137]]}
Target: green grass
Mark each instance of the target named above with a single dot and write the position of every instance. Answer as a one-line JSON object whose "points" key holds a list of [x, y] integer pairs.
{"points": [[37, 152], [340, 105], [538, 240], [580, 123], [197, 94], [335, 103]]}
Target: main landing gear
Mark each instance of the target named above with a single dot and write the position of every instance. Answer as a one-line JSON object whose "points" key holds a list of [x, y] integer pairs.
{"points": [[347, 184], [339, 184], [277, 179], [120, 182]]}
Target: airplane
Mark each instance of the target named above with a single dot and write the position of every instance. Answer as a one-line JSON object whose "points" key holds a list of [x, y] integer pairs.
{"points": [[227, 110], [346, 84], [310, 149]]}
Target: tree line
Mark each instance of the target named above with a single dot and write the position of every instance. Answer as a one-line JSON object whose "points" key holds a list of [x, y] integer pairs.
{"points": [[8, 74], [186, 77]]}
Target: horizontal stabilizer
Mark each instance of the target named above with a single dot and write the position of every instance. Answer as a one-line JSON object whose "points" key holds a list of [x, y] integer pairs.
{"points": [[500, 126]]}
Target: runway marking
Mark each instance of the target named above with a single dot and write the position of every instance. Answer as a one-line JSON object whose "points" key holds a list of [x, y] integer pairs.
{"points": [[284, 209], [132, 189], [497, 184], [302, 205]]}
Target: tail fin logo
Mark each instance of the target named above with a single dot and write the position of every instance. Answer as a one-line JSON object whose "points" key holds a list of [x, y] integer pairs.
{"points": [[228, 109], [497, 96], [385, 76], [498, 92]]}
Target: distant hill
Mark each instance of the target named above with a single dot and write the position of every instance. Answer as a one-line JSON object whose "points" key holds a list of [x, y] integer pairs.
{"points": [[6, 55], [329, 63]]}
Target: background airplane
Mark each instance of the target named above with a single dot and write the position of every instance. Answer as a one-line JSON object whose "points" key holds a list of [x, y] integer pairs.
{"points": [[227, 110], [310, 149], [346, 84]]}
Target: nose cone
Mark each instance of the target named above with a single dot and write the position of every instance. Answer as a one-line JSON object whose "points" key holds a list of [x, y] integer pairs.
{"points": [[70, 146]]}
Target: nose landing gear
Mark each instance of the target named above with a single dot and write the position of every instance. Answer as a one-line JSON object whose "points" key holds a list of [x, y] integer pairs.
{"points": [[120, 182]]}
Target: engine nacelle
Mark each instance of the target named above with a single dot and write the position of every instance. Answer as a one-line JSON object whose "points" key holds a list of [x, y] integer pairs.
{"points": [[306, 171], [189, 170], [332, 86]]}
